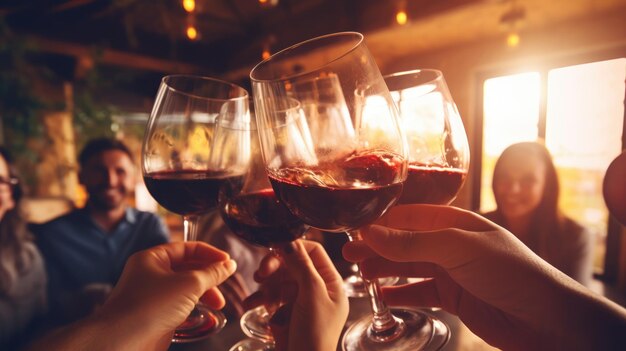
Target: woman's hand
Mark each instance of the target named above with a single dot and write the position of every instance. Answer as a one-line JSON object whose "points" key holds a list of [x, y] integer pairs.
{"points": [[482, 273], [314, 306]]}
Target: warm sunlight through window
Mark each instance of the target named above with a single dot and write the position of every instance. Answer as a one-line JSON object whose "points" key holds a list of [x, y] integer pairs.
{"points": [[511, 114], [584, 123]]}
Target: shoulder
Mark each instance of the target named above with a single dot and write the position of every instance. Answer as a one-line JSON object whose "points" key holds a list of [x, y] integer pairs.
{"points": [[149, 220], [573, 228], [145, 216], [573, 236], [59, 223]]}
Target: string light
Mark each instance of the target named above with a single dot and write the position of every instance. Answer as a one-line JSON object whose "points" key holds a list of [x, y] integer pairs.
{"points": [[192, 32], [268, 3], [265, 54], [512, 40], [401, 17], [512, 20], [189, 5]]}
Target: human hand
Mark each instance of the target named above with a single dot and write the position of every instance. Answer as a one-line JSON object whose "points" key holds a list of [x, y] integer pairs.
{"points": [[482, 273], [160, 287], [315, 306]]}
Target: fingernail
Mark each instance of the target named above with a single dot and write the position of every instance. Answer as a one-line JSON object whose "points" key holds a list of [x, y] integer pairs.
{"points": [[230, 266]]}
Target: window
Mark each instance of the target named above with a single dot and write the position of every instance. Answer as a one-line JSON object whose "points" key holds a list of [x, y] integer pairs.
{"points": [[584, 122]]}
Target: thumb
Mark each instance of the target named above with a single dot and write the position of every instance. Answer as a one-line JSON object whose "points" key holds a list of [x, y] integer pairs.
{"points": [[209, 276], [218, 272], [301, 267]]}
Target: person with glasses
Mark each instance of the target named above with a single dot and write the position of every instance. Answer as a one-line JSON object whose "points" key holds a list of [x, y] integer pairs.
{"points": [[22, 274]]}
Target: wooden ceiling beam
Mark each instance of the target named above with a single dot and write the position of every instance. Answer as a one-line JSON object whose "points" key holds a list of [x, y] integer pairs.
{"points": [[114, 57]]}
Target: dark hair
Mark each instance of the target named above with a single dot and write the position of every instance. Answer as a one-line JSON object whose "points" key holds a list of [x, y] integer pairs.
{"points": [[100, 145], [14, 235], [16, 189], [546, 217]]}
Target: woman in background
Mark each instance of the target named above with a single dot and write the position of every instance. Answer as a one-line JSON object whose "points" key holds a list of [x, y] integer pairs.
{"points": [[22, 274], [526, 190]]}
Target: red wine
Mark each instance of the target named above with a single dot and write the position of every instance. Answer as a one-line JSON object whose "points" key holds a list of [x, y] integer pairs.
{"points": [[189, 192], [261, 219], [431, 185], [341, 195]]}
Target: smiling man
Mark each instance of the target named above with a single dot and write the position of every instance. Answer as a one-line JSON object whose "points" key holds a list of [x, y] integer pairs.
{"points": [[86, 249]]}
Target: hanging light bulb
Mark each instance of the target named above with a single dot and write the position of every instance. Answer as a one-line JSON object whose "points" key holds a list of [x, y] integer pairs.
{"points": [[192, 32], [266, 54], [513, 20], [268, 3], [512, 40], [189, 5], [401, 17]]}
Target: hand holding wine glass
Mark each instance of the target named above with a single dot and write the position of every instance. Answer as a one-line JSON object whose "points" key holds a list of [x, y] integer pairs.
{"points": [[341, 181], [186, 161], [314, 307], [253, 213]]}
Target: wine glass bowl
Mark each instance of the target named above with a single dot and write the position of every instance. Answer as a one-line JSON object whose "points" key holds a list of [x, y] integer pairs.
{"points": [[437, 143], [253, 213], [187, 160], [345, 179]]}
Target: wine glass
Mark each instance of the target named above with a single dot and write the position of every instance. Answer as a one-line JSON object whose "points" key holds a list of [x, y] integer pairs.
{"points": [[322, 101], [254, 214], [358, 173], [186, 161], [438, 148]]}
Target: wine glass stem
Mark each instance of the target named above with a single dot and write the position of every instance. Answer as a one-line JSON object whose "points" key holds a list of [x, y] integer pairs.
{"points": [[383, 322], [190, 228]]}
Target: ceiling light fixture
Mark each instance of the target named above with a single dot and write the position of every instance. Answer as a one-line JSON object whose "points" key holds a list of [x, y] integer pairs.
{"points": [[401, 17], [512, 20], [192, 32], [189, 5], [268, 3]]}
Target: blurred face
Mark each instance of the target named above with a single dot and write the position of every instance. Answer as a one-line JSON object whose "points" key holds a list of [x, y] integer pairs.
{"points": [[108, 177], [519, 186], [6, 196]]}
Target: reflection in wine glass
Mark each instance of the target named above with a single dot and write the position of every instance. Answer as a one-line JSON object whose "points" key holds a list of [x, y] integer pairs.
{"points": [[186, 161], [354, 178], [257, 216], [328, 119], [438, 147]]}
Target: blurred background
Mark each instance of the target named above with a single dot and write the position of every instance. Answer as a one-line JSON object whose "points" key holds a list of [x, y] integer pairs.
{"points": [[518, 70]]}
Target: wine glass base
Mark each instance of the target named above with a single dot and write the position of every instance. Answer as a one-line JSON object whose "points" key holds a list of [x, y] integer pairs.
{"points": [[354, 286], [421, 331], [255, 323], [251, 344], [201, 323]]}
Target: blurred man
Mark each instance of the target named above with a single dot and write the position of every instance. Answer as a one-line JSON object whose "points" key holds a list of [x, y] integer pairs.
{"points": [[86, 249]]}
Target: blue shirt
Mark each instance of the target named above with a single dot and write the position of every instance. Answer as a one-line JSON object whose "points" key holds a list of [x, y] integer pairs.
{"points": [[78, 252]]}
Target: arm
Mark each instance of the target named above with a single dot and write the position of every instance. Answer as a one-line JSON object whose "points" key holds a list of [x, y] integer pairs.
{"points": [[499, 288], [172, 277]]}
